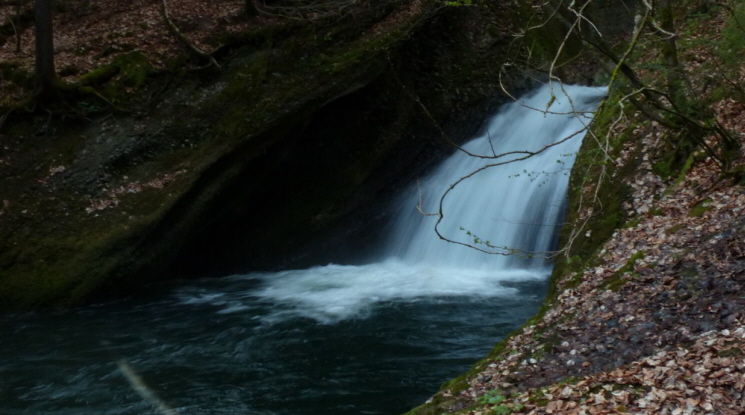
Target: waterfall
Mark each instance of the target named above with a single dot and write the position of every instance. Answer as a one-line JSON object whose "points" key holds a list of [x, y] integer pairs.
{"points": [[513, 206], [516, 205], [340, 339]]}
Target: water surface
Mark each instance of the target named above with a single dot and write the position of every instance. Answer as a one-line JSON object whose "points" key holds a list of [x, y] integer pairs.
{"points": [[248, 345]]}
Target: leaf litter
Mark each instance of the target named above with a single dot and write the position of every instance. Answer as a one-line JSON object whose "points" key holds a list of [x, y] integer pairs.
{"points": [[657, 326]]}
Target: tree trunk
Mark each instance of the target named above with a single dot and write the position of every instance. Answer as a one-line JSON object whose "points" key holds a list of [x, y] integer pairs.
{"points": [[17, 26], [251, 9], [45, 76], [669, 50]]}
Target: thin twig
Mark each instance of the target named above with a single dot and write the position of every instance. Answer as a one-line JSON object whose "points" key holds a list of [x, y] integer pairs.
{"points": [[183, 39]]}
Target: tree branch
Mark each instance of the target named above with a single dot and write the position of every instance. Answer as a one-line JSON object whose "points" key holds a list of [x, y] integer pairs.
{"points": [[183, 39]]}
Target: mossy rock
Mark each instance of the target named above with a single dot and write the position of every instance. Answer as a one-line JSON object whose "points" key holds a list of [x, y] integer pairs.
{"points": [[18, 75], [98, 76], [121, 81], [229, 132], [134, 69]]}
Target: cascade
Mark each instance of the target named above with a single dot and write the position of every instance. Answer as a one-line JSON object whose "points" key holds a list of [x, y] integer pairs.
{"points": [[516, 205], [512, 206]]}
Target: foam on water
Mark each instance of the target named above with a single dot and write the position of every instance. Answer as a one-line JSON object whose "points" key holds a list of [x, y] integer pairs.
{"points": [[332, 293]]}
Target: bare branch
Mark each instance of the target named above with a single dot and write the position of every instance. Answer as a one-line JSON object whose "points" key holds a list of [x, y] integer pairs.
{"points": [[503, 250], [183, 39]]}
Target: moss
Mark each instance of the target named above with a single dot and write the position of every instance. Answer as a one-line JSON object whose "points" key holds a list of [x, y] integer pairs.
{"points": [[548, 343], [545, 39], [569, 380], [620, 277], [633, 223], [686, 168], [700, 208], [614, 282], [538, 397], [65, 265], [18, 75], [631, 262], [575, 281], [733, 38], [732, 352], [591, 164], [243, 82], [134, 69], [73, 264], [258, 101], [262, 84], [663, 168], [120, 82], [54, 253], [674, 229], [69, 70], [98, 76], [656, 212]]}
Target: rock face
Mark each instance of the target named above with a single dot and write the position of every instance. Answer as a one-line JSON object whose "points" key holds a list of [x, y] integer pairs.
{"points": [[285, 157]]}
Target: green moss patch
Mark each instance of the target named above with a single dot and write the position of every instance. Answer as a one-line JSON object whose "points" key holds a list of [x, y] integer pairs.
{"points": [[122, 82], [620, 277], [674, 229], [700, 208]]}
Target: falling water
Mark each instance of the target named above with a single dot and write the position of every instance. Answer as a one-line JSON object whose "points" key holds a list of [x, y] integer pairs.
{"points": [[373, 339], [513, 206]]}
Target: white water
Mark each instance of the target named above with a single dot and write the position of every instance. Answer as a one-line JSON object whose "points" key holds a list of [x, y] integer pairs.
{"points": [[515, 206], [332, 293]]}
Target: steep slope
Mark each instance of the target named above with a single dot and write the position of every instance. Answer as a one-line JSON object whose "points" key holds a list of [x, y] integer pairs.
{"points": [[646, 314], [155, 165]]}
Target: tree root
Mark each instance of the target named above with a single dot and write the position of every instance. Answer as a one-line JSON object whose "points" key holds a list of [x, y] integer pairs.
{"points": [[190, 46]]}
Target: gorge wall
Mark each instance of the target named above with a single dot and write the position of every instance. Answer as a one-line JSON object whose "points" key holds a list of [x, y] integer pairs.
{"points": [[287, 153]]}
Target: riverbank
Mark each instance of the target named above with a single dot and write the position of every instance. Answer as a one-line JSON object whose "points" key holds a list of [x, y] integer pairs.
{"points": [[656, 325], [646, 313]]}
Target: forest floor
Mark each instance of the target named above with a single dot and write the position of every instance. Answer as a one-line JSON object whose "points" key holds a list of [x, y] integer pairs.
{"points": [[90, 34], [657, 327]]}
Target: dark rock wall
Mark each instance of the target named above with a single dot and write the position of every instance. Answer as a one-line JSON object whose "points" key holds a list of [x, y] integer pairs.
{"points": [[321, 193], [286, 158]]}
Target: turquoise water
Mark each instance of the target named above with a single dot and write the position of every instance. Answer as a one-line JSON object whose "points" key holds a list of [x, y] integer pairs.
{"points": [[201, 357]]}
